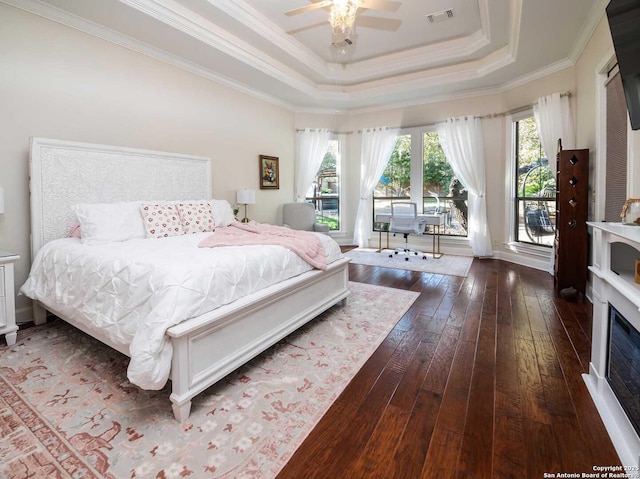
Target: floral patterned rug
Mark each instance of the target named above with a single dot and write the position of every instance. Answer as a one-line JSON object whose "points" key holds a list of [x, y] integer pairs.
{"points": [[68, 410]]}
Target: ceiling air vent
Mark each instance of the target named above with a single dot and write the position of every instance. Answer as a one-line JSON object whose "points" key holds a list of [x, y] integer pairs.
{"points": [[440, 16]]}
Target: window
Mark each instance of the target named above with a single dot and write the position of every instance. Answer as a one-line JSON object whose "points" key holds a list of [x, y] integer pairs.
{"points": [[324, 193], [436, 189], [442, 192], [535, 187], [395, 182]]}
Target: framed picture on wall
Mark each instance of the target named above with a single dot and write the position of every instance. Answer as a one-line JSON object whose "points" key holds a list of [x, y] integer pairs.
{"points": [[269, 172]]}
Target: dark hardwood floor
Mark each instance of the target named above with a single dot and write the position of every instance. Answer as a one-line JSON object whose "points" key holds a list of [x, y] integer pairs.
{"points": [[481, 378]]}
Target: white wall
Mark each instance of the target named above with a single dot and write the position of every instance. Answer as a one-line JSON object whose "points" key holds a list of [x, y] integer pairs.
{"points": [[56, 82]]}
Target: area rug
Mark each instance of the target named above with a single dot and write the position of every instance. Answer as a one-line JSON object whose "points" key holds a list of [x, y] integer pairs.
{"points": [[446, 264], [68, 410]]}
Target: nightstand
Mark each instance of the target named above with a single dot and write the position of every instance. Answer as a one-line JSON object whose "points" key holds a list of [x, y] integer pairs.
{"points": [[7, 297]]}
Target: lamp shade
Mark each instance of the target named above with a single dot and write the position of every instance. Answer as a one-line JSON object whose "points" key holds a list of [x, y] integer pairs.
{"points": [[246, 197], [1, 200]]}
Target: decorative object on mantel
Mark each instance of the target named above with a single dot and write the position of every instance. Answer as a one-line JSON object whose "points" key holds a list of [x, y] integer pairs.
{"points": [[269, 172], [631, 212]]}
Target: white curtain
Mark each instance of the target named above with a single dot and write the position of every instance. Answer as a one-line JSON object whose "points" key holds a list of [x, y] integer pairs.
{"points": [[461, 140], [377, 147], [553, 122], [311, 146]]}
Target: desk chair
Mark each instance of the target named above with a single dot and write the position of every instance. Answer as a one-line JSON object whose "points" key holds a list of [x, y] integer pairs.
{"points": [[404, 220]]}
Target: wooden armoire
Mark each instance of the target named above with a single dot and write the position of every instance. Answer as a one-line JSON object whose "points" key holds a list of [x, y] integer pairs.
{"points": [[572, 237]]}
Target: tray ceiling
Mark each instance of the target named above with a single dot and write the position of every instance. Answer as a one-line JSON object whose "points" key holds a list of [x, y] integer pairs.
{"points": [[485, 46]]}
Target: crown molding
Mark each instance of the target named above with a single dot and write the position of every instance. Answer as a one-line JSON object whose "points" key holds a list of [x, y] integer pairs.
{"points": [[63, 17], [184, 20], [436, 76], [593, 20], [515, 21], [344, 96], [417, 58], [261, 25], [538, 74]]}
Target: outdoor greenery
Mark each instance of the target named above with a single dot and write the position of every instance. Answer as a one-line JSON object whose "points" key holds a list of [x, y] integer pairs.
{"points": [[396, 179], [437, 173], [332, 222], [533, 166], [330, 157]]}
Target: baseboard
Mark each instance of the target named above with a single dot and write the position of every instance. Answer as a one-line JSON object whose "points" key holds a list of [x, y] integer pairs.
{"points": [[523, 259]]}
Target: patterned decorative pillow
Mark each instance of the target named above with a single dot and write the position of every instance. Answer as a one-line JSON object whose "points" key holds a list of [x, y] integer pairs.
{"points": [[196, 217], [161, 220]]}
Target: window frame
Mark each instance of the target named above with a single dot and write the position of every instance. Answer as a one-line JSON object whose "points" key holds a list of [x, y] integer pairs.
{"points": [[512, 212], [416, 181], [340, 139]]}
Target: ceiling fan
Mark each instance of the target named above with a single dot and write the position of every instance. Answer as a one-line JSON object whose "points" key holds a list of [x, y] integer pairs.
{"points": [[342, 15]]}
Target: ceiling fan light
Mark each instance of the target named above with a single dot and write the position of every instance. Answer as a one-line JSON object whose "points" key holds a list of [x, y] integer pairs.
{"points": [[343, 15]]}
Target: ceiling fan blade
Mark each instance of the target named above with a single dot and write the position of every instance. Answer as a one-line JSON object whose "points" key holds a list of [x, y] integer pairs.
{"points": [[377, 23], [382, 5], [306, 27], [308, 8]]}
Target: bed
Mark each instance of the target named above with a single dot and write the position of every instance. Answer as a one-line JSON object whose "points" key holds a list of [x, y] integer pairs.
{"points": [[212, 330]]}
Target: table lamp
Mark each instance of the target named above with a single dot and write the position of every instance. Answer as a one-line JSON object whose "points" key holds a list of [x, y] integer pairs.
{"points": [[245, 197]]}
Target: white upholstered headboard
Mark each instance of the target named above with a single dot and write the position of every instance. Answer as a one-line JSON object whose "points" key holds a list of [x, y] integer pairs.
{"points": [[63, 173]]}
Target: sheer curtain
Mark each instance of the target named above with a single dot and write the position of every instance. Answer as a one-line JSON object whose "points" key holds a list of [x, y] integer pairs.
{"points": [[461, 140], [377, 146], [553, 122], [311, 146]]}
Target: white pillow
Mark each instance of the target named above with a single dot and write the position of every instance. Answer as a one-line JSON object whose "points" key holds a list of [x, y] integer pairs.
{"points": [[109, 222], [222, 212]]}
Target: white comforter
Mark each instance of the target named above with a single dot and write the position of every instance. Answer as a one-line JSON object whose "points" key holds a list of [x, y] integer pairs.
{"points": [[134, 290]]}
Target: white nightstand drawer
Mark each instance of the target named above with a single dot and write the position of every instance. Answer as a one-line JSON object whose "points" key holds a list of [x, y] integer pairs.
{"points": [[8, 326]]}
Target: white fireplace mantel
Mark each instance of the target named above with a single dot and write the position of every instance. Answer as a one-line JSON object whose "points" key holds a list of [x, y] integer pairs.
{"points": [[615, 249]]}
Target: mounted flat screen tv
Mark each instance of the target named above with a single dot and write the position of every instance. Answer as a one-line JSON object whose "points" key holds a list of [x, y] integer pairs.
{"points": [[624, 23]]}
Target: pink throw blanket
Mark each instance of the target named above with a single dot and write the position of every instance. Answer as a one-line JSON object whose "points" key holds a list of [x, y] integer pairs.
{"points": [[303, 243]]}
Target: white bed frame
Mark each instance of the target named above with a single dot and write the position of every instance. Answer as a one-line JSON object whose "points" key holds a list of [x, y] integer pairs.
{"points": [[205, 348]]}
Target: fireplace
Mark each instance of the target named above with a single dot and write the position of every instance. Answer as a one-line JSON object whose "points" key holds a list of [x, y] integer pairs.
{"points": [[623, 366], [614, 371]]}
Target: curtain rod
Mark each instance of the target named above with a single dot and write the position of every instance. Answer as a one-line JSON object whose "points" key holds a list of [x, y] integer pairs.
{"points": [[513, 111], [489, 116], [298, 130]]}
